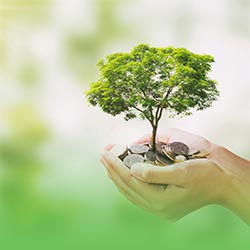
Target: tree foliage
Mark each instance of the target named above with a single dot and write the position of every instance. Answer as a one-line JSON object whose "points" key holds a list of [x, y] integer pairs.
{"points": [[149, 80]]}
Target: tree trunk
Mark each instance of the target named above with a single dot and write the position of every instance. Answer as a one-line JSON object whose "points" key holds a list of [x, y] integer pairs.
{"points": [[153, 139]]}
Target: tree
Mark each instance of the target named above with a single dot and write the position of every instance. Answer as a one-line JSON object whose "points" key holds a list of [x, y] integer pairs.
{"points": [[149, 80]]}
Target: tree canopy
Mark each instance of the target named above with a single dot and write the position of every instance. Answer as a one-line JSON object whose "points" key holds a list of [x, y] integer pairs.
{"points": [[148, 80]]}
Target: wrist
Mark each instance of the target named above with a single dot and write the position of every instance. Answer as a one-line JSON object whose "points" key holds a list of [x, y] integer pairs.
{"points": [[235, 193]]}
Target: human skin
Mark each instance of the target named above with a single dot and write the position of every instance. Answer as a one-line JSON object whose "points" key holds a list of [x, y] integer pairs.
{"points": [[174, 191]]}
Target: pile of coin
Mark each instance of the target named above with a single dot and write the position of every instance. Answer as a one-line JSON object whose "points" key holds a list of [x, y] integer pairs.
{"points": [[164, 155]]}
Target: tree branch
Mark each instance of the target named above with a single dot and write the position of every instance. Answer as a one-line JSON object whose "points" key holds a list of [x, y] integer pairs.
{"points": [[157, 113], [151, 113], [168, 93], [140, 110], [159, 109], [159, 117]]}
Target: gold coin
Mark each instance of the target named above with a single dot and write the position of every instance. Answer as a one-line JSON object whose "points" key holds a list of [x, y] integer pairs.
{"points": [[168, 153], [159, 164], [163, 159], [201, 154]]}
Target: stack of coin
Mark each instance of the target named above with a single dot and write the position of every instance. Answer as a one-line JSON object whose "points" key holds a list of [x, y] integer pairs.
{"points": [[164, 155]]}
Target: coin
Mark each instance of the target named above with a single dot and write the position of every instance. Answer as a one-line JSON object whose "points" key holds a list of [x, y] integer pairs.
{"points": [[163, 159], [159, 145], [180, 158], [138, 149], [201, 154], [132, 159], [168, 153], [165, 154], [150, 156], [159, 164], [119, 151], [193, 151], [179, 148]]}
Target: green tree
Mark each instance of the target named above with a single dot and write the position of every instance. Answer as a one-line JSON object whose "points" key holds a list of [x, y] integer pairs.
{"points": [[149, 80]]}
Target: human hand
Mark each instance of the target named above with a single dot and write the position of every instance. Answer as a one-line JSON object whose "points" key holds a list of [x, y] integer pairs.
{"points": [[188, 185]]}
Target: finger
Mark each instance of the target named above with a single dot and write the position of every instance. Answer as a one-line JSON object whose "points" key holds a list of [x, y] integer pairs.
{"points": [[109, 147], [175, 174], [124, 188], [117, 166], [109, 176]]}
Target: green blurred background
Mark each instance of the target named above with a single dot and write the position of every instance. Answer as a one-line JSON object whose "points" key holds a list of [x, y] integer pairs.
{"points": [[54, 193]]}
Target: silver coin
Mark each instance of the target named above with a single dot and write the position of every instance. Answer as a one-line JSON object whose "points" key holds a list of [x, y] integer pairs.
{"points": [[150, 156], [178, 148], [138, 149], [180, 158], [119, 151], [132, 159]]}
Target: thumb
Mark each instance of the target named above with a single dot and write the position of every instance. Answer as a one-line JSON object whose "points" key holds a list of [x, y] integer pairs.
{"points": [[175, 174]]}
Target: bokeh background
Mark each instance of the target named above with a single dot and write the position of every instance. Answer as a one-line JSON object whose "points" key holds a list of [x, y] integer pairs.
{"points": [[54, 193]]}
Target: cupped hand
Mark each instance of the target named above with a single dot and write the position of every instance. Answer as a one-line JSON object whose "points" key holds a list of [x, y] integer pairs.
{"points": [[187, 186]]}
